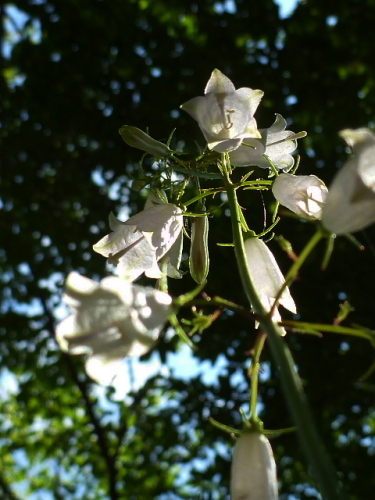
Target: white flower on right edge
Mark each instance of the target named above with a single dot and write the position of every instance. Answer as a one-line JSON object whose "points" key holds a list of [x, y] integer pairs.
{"points": [[253, 471], [110, 320], [350, 204], [267, 277], [275, 143]]}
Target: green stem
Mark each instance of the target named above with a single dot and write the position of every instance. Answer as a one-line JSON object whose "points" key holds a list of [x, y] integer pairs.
{"points": [[305, 327], [322, 468], [207, 192], [254, 374], [293, 271]]}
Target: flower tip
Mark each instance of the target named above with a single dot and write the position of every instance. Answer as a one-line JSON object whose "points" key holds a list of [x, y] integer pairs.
{"points": [[356, 136], [300, 135]]}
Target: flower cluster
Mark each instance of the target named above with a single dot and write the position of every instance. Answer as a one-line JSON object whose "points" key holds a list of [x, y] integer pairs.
{"points": [[115, 318], [151, 241], [110, 319]]}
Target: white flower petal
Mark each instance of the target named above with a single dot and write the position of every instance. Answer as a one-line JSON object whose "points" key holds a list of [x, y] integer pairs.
{"points": [[151, 219], [250, 153], [116, 242], [266, 273], [136, 259], [103, 368], [173, 258], [219, 83], [362, 141], [274, 145], [350, 204]]}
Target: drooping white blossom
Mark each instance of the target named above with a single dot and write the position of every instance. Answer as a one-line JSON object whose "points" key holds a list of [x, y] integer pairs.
{"points": [[350, 204], [137, 244], [253, 471], [173, 256], [275, 143], [302, 194], [225, 115], [111, 320], [267, 277]]}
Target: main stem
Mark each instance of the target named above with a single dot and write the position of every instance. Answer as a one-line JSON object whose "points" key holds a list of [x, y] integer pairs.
{"points": [[322, 468]]}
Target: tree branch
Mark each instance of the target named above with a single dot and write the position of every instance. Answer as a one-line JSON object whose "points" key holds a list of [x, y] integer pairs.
{"points": [[6, 491], [109, 459]]}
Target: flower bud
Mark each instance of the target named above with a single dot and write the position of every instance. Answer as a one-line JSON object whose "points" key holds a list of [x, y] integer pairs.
{"points": [[136, 138], [199, 261], [253, 473], [302, 194]]}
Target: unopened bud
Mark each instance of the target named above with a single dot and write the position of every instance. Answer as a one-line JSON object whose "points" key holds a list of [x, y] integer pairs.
{"points": [[253, 473], [136, 138], [199, 261]]}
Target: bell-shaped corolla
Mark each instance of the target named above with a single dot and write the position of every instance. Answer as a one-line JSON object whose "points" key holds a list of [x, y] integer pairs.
{"points": [[275, 143], [225, 115], [137, 244], [253, 471], [111, 320], [302, 194], [350, 204], [267, 277]]}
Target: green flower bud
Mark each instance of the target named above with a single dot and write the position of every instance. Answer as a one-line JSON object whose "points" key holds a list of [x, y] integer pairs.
{"points": [[199, 261], [136, 138]]}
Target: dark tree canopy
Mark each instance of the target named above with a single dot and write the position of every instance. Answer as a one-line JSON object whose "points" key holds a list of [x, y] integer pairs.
{"points": [[74, 72]]}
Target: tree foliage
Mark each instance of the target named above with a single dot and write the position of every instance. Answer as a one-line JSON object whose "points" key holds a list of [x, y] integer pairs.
{"points": [[73, 73]]}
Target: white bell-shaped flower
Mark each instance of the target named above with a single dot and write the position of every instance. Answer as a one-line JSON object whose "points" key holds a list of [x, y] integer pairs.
{"points": [[112, 319], [350, 204], [275, 143], [253, 471], [225, 115], [267, 277], [302, 194], [137, 244]]}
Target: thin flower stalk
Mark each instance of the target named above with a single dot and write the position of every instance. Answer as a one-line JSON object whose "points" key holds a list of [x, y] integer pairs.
{"points": [[322, 467]]}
